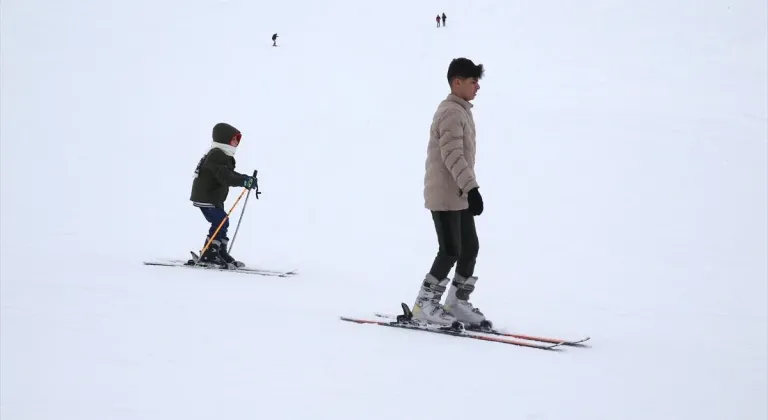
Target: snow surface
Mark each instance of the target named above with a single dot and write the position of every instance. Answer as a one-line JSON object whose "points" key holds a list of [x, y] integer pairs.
{"points": [[621, 154]]}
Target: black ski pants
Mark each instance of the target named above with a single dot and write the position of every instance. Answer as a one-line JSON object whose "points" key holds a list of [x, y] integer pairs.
{"points": [[458, 244]]}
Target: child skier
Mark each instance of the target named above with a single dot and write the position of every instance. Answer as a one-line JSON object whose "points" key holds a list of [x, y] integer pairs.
{"points": [[214, 175]]}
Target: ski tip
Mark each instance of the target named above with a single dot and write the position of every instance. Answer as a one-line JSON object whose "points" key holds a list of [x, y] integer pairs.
{"points": [[557, 347], [290, 273], [578, 343]]}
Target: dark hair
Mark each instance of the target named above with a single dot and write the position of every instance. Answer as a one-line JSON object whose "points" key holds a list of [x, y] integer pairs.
{"points": [[464, 68]]}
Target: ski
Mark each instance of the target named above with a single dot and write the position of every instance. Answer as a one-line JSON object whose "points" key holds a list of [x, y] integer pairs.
{"points": [[243, 270], [405, 321], [484, 330], [196, 258]]}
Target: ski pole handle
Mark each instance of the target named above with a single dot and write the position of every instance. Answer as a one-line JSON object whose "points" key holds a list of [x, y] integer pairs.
{"points": [[256, 184]]}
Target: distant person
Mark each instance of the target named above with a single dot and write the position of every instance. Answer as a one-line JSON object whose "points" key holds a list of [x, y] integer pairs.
{"points": [[443, 19], [214, 175], [437, 19], [452, 195], [274, 40]]}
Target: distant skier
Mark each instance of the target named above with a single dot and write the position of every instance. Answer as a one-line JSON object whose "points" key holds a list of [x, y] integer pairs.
{"points": [[437, 19], [451, 194], [214, 175], [274, 40], [443, 19]]}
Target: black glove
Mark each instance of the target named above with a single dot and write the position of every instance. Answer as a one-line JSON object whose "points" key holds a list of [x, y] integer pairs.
{"points": [[248, 182], [475, 202]]}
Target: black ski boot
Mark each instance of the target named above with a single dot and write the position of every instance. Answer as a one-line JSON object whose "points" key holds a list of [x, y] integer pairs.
{"points": [[224, 254], [212, 255]]}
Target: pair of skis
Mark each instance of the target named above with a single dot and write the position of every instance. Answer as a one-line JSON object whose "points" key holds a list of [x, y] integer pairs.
{"points": [[195, 264], [482, 332], [405, 321]]}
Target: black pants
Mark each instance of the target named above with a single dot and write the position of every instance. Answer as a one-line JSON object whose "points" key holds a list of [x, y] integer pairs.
{"points": [[458, 244]]}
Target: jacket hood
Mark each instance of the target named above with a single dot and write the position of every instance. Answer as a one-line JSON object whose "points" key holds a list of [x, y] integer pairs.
{"points": [[223, 133]]}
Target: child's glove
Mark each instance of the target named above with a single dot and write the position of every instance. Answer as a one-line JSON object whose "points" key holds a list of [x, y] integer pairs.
{"points": [[248, 182]]}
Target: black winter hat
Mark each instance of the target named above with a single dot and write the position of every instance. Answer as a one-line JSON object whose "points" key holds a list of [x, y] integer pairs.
{"points": [[223, 133]]}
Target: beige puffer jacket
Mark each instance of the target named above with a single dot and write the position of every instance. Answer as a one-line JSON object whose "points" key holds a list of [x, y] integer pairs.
{"points": [[450, 165]]}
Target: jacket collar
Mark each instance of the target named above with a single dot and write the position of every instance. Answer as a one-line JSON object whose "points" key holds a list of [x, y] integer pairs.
{"points": [[453, 98]]}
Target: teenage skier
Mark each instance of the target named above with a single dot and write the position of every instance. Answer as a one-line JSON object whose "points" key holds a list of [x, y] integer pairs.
{"points": [[214, 175], [451, 194]]}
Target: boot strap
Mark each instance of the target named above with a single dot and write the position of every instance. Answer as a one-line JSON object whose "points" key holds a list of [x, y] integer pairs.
{"points": [[463, 290], [434, 285]]}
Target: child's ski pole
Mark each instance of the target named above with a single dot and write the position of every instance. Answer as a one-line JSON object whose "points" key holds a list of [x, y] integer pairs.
{"points": [[256, 192]]}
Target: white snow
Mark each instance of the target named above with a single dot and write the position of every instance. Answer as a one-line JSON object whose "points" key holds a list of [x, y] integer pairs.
{"points": [[621, 155]]}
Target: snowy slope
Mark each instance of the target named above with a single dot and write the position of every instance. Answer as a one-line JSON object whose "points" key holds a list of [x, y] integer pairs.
{"points": [[621, 153]]}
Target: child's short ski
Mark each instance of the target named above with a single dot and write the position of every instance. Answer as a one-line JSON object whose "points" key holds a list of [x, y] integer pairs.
{"points": [[405, 321], [488, 330], [196, 259], [203, 266]]}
